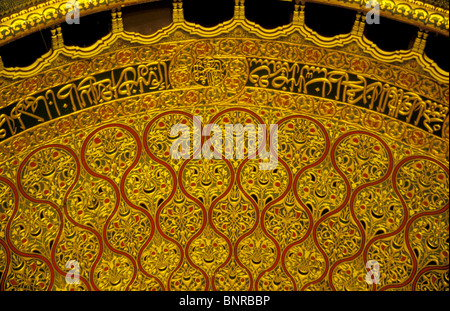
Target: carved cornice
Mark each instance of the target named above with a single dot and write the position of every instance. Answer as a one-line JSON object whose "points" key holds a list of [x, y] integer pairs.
{"points": [[47, 14], [355, 37]]}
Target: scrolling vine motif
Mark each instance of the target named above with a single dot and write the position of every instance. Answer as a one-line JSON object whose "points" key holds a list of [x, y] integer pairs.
{"points": [[134, 218]]}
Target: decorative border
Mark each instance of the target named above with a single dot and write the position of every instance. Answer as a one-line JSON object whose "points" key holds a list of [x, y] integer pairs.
{"points": [[406, 77], [236, 28], [127, 111], [417, 13], [50, 13]]}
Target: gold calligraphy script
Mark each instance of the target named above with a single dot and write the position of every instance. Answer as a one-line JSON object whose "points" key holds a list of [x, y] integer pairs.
{"points": [[349, 88], [293, 77], [82, 94]]}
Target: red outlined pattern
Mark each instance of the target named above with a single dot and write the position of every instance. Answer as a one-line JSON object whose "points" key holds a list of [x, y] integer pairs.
{"points": [[134, 218]]}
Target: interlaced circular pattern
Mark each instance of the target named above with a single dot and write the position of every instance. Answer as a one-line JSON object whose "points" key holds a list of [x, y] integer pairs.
{"points": [[134, 218], [99, 186]]}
